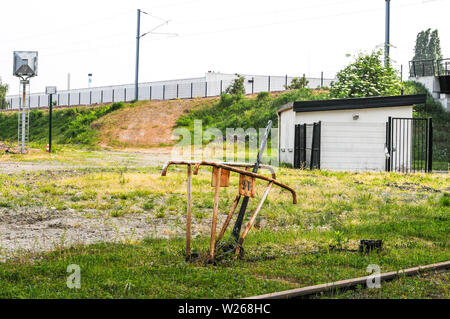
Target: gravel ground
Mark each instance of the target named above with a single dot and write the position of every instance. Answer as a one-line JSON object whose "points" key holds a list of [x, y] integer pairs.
{"points": [[39, 229], [42, 229]]}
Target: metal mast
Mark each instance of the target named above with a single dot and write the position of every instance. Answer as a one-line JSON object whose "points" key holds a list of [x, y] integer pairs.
{"points": [[386, 41], [138, 36]]}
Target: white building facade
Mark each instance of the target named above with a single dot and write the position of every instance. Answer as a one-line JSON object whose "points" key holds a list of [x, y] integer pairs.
{"points": [[348, 134]]}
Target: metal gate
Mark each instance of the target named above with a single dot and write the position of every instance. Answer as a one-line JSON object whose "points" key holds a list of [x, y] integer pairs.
{"points": [[409, 145], [307, 146]]}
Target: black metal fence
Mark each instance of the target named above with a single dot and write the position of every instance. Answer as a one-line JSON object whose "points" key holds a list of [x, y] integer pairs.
{"points": [[409, 145], [429, 67]]}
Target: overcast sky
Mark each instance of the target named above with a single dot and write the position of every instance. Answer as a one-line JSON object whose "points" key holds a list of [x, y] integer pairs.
{"points": [[245, 36]]}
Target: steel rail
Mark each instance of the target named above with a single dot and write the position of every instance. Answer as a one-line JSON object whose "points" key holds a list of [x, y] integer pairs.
{"points": [[312, 290]]}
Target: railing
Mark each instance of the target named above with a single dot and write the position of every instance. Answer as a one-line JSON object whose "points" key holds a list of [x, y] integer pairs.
{"points": [[429, 67], [177, 89]]}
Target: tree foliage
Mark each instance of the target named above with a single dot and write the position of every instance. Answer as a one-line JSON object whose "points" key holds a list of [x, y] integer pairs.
{"points": [[428, 47], [3, 90], [366, 76], [236, 87], [298, 83]]}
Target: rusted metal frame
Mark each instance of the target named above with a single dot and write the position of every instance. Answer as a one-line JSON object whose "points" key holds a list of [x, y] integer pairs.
{"points": [[248, 173], [253, 218], [186, 162], [212, 243], [230, 214]]}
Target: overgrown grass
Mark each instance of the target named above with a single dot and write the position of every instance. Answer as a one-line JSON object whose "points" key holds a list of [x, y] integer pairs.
{"points": [[245, 112], [70, 126], [289, 246]]}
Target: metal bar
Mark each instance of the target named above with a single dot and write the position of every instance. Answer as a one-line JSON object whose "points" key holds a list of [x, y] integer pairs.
{"points": [[206, 89], [188, 211], [253, 218], [192, 84], [138, 37], [214, 217], [150, 93], [164, 92], [403, 144], [177, 90], [248, 173], [268, 85], [429, 145], [50, 116], [230, 214], [310, 290], [246, 165]]}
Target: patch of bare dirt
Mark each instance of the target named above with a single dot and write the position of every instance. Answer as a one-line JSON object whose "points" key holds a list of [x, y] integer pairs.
{"points": [[147, 124]]}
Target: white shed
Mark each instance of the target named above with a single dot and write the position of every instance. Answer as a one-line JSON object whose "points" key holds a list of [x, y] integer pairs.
{"points": [[357, 134]]}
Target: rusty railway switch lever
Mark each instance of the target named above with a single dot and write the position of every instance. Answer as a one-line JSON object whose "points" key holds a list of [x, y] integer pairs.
{"points": [[247, 189]]}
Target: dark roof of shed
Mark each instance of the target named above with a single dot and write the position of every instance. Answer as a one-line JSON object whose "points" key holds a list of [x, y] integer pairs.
{"points": [[359, 103]]}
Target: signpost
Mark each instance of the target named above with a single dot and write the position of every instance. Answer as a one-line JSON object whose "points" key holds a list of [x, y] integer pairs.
{"points": [[50, 90]]}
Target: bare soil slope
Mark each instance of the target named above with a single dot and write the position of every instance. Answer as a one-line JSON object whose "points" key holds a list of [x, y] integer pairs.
{"points": [[147, 124]]}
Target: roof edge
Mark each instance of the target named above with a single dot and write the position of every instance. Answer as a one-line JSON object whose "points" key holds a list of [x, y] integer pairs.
{"points": [[359, 103]]}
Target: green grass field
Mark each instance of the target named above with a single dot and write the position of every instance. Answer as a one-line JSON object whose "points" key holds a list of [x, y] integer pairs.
{"points": [[288, 248]]}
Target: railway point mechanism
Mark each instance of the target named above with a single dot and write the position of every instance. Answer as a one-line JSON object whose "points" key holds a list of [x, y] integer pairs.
{"points": [[221, 178]]}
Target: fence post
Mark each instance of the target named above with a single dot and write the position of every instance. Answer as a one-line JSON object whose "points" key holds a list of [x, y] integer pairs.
{"points": [[150, 93], [321, 79], [192, 90], [90, 97], [125, 94], [177, 90], [68, 99], [269, 84], [430, 145], [39, 101], [285, 82], [113, 95], [253, 85], [206, 89], [79, 98], [164, 91], [101, 97]]}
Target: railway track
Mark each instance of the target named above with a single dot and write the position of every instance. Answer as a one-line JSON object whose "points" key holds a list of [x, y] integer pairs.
{"points": [[349, 283]]}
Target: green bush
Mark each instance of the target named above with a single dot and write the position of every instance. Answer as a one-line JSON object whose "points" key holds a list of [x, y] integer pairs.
{"points": [[246, 112], [366, 76]]}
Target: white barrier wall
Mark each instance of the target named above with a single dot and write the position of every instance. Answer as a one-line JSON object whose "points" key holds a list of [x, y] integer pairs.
{"points": [[213, 84]]}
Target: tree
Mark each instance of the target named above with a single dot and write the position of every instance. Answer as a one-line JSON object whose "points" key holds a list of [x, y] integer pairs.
{"points": [[366, 76], [236, 87], [297, 83], [428, 47], [3, 90]]}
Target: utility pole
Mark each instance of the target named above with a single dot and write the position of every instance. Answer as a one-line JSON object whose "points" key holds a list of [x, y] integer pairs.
{"points": [[138, 36], [386, 41]]}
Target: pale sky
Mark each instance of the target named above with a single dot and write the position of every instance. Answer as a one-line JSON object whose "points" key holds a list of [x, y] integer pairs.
{"points": [[245, 36]]}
